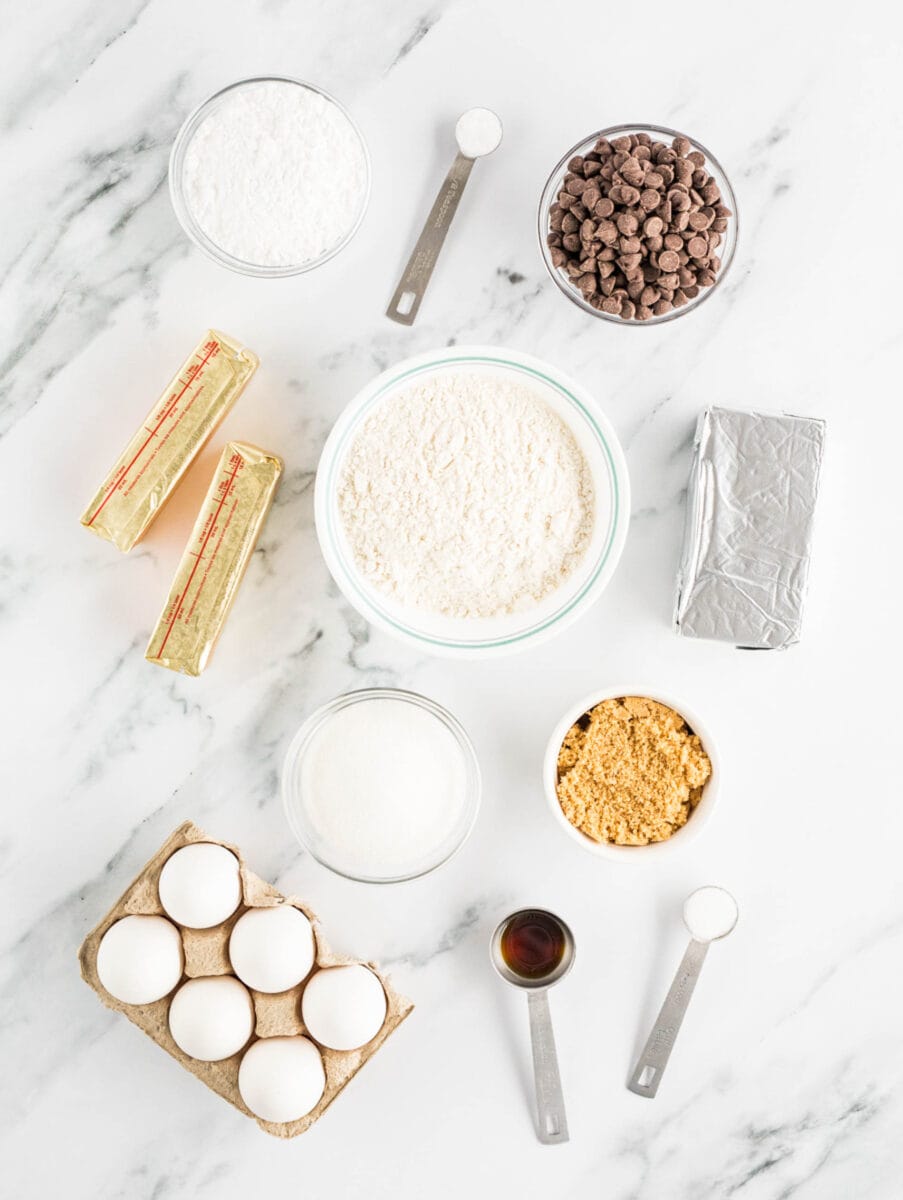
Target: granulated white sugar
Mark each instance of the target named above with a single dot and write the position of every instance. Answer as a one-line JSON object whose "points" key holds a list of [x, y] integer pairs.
{"points": [[466, 496], [383, 785], [276, 175]]}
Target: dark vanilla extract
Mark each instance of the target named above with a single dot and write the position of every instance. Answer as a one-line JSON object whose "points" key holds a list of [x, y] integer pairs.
{"points": [[533, 944]]}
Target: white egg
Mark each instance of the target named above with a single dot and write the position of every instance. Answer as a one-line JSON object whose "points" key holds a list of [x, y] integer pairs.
{"points": [[140, 959], [200, 885], [281, 1078], [211, 1018], [344, 1007], [272, 949]]}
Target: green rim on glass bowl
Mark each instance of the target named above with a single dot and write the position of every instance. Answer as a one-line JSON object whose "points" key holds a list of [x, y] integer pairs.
{"points": [[492, 635]]}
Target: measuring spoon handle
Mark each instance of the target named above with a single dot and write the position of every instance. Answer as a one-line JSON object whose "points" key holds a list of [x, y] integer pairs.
{"points": [[651, 1066], [409, 293], [553, 1123]]}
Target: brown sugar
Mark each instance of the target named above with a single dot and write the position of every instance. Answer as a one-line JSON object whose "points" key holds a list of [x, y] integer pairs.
{"points": [[630, 771]]}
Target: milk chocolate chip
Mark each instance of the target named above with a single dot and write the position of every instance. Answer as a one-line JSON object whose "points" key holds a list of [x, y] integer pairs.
{"points": [[635, 226]]}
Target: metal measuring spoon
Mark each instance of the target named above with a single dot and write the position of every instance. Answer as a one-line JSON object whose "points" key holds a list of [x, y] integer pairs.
{"points": [[478, 132], [710, 913], [552, 1124]]}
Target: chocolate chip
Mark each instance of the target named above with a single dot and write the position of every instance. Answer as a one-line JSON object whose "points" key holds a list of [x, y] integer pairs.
{"points": [[653, 226], [697, 247], [668, 260]]}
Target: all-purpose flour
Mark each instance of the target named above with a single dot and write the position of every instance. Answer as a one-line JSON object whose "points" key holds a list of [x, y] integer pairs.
{"points": [[276, 175], [466, 496]]}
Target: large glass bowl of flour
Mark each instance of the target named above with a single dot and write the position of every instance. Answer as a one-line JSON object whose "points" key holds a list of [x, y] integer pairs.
{"points": [[472, 501], [270, 176]]}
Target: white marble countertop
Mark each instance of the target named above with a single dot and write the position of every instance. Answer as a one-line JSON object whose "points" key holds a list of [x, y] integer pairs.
{"points": [[786, 1080]]}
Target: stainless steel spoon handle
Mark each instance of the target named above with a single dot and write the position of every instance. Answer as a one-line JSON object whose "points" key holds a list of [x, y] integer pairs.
{"points": [[553, 1122], [410, 290], [651, 1066]]}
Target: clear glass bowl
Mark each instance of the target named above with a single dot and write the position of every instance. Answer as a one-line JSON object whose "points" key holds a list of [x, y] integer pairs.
{"points": [[185, 216], [489, 636], [662, 134], [309, 837]]}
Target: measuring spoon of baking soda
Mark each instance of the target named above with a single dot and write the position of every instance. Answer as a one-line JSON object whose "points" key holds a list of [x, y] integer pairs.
{"points": [[710, 913], [478, 132], [533, 949]]}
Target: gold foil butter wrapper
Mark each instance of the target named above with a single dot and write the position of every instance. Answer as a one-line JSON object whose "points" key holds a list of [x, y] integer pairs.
{"points": [[215, 559], [204, 389]]}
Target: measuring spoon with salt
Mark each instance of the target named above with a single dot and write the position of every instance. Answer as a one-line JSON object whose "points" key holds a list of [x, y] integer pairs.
{"points": [[478, 132], [710, 913], [533, 949]]}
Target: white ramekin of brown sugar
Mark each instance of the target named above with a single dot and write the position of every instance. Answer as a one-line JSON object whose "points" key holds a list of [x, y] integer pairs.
{"points": [[637, 779]]}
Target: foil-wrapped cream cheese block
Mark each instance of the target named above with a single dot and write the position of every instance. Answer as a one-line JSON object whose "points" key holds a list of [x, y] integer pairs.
{"points": [[215, 559], [204, 389], [750, 510]]}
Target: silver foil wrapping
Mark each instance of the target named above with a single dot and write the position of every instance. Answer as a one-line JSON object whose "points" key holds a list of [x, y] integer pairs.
{"points": [[750, 509]]}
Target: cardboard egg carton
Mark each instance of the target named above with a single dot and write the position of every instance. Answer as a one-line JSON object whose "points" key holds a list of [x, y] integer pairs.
{"points": [[207, 953]]}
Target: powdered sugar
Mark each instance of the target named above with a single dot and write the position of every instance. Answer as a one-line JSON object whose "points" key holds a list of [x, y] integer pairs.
{"points": [[466, 496], [276, 175]]}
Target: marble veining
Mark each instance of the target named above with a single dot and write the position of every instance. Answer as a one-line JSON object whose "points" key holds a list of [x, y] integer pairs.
{"points": [[786, 1082]]}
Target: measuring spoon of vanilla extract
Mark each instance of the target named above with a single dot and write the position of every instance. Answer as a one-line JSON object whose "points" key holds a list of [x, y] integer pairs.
{"points": [[478, 132], [533, 949], [710, 913]]}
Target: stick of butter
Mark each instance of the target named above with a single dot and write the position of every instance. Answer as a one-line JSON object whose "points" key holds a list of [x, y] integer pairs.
{"points": [[204, 389], [215, 559]]}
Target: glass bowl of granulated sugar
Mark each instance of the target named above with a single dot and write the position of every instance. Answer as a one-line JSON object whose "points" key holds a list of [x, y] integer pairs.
{"points": [[270, 176], [472, 501], [381, 785]]}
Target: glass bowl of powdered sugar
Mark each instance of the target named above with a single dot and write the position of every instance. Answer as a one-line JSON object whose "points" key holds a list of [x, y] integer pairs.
{"points": [[381, 785], [270, 176], [472, 501]]}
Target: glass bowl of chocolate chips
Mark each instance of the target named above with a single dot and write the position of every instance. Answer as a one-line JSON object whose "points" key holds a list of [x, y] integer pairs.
{"points": [[638, 224]]}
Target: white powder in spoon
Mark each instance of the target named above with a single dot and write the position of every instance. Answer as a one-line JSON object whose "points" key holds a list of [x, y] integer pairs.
{"points": [[710, 912], [466, 496], [383, 785], [276, 175]]}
